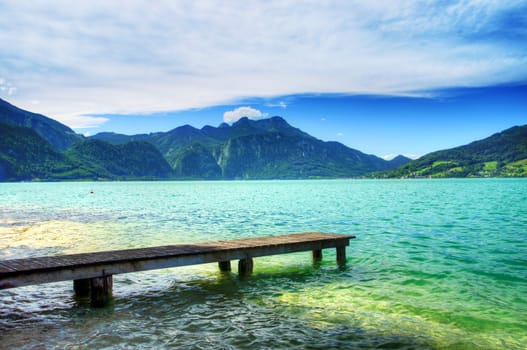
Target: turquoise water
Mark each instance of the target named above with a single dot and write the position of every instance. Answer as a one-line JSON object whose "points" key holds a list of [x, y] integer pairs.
{"points": [[437, 264]]}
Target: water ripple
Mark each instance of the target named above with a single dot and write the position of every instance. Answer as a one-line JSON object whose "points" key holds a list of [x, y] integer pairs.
{"points": [[437, 264]]}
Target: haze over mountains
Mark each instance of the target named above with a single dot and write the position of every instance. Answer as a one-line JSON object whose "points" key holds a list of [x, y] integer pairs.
{"points": [[35, 147]]}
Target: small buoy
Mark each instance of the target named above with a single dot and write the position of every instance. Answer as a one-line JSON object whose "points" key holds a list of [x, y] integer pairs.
{"points": [[91, 192]]}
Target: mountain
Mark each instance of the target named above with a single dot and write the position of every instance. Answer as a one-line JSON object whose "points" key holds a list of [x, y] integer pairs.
{"points": [[58, 135], [273, 155], [249, 149], [398, 161], [197, 161], [33, 146], [132, 160], [502, 154], [25, 155]]}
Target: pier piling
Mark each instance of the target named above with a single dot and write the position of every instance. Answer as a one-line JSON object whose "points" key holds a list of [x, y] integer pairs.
{"points": [[245, 266], [225, 266], [341, 255], [317, 255]]}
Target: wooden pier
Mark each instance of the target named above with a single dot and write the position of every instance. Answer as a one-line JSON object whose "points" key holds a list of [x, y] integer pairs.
{"points": [[92, 272]]}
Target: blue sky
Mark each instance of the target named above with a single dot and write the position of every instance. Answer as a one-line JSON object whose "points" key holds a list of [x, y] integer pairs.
{"points": [[384, 77]]}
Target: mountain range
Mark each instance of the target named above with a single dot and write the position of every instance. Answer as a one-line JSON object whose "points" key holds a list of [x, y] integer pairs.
{"points": [[35, 147], [255, 149]]}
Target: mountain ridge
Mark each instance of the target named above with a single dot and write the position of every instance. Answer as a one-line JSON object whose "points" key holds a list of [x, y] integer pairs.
{"points": [[37, 147], [57, 134], [255, 149], [247, 149]]}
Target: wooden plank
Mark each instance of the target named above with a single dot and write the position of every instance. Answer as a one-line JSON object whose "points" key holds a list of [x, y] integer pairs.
{"points": [[5, 268], [20, 272]]}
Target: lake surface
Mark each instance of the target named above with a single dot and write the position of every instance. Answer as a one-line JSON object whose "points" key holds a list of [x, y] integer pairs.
{"points": [[437, 264]]}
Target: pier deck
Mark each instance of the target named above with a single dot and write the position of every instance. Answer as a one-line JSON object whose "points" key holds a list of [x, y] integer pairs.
{"points": [[93, 271]]}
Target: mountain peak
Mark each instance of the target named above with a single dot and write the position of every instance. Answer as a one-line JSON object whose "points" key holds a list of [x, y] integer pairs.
{"points": [[184, 130], [241, 121], [399, 161], [278, 119]]}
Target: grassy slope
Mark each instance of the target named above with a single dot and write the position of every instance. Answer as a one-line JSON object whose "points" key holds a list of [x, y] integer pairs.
{"points": [[502, 154]]}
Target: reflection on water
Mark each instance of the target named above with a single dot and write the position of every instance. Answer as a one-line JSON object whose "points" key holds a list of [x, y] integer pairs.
{"points": [[437, 264]]}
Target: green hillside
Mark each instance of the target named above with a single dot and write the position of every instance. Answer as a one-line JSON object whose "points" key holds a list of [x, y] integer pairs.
{"points": [[501, 155], [132, 160], [24, 155]]}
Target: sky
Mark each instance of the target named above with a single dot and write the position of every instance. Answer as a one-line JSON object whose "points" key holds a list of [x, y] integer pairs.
{"points": [[385, 77]]}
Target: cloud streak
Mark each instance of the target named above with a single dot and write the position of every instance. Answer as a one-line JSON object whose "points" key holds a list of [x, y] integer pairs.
{"points": [[98, 57]]}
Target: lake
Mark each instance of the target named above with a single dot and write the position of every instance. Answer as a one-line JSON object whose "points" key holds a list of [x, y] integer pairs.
{"points": [[436, 264]]}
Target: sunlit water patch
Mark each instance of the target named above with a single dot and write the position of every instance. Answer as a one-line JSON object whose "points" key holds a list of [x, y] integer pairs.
{"points": [[437, 264]]}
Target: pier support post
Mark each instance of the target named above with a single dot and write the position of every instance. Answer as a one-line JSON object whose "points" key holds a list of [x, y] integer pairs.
{"points": [[82, 288], [225, 266], [317, 255], [341, 255], [101, 290], [245, 266]]}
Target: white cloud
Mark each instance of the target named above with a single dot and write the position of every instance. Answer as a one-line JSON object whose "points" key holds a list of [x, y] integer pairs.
{"points": [[389, 156], [139, 57], [7, 87], [77, 121], [240, 112], [76, 117]]}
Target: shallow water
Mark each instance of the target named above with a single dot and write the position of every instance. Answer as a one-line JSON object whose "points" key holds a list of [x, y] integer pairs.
{"points": [[436, 264]]}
